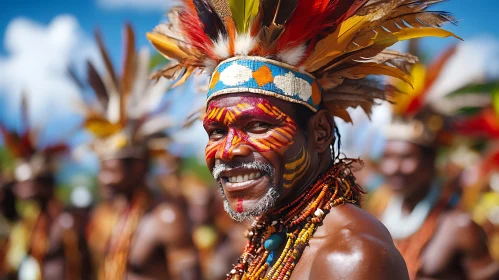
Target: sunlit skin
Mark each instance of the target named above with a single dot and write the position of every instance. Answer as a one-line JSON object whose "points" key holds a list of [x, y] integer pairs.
{"points": [[350, 243]]}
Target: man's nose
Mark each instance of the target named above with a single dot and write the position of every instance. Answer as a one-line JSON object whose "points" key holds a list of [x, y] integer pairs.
{"points": [[233, 146]]}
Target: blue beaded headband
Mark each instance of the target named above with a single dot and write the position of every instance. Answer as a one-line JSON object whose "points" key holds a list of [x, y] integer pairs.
{"points": [[265, 76]]}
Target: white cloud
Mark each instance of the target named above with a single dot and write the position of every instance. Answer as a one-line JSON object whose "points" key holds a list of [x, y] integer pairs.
{"points": [[145, 5], [38, 60]]}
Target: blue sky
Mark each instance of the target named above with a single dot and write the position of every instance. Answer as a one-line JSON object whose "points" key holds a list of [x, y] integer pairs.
{"points": [[89, 14]]}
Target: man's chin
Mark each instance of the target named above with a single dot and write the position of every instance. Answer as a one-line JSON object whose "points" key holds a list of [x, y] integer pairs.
{"points": [[245, 209]]}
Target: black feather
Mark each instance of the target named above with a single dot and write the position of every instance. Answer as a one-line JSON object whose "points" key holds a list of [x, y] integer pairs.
{"points": [[213, 25], [97, 84], [277, 11]]}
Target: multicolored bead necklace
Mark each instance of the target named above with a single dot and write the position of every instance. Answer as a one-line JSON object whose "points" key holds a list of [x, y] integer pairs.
{"points": [[295, 223]]}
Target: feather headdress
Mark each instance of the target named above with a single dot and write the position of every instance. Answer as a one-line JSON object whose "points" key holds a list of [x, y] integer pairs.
{"points": [[126, 121], [478, 113], [32, 159], [309, 52], [413, 117]]}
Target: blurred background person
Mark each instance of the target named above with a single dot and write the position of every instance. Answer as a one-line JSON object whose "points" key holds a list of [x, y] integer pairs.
{"points": [[479, 124], [45, 241], [436, 238], [134, 235]]}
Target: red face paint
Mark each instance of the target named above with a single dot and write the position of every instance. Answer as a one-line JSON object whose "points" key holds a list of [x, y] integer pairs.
{"points": [[239, 208], [240, 125]]}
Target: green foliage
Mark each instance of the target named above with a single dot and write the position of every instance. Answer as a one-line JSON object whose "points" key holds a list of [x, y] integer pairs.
{"points": [[193, 166], [157, 60]]}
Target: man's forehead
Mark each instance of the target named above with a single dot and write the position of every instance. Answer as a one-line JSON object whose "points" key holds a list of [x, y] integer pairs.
{"points": [[248, 101]]}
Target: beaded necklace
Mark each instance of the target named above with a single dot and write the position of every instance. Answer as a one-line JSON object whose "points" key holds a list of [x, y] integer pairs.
{"points": [[295, 224]]}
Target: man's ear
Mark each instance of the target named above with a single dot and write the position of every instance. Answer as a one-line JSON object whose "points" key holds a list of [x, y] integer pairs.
{"points": [[321, 128]]}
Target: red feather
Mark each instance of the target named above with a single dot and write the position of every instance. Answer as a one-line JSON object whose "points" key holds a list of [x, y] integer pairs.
{"points": [[56, 149], [19, 146], [433, 73], [190, 5], [490, 163], [314, 19], [485, 124], [193, 31]]}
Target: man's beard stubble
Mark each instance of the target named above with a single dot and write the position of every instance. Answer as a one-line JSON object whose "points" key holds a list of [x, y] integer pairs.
{"points": [[265, 204]]}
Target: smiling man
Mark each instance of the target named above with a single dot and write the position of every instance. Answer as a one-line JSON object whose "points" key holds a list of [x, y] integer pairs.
{"points": [[280, 73]]}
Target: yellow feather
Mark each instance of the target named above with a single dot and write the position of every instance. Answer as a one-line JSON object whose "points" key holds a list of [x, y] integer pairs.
{"points": [[412, 33], [401, 101], [187, 74], [361, 71], [168, 47], [335, 44], [102, 128]]}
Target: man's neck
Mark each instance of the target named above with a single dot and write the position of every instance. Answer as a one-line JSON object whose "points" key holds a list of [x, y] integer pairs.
{"points": [[313, 175], [123, 200]]}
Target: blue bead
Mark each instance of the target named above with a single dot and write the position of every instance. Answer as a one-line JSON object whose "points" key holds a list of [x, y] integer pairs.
{"points": [[270, 258], [273, 242]]}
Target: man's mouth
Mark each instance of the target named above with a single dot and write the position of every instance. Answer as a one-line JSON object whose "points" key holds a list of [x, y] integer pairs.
{"points": [[241, 178], [244, 176]]}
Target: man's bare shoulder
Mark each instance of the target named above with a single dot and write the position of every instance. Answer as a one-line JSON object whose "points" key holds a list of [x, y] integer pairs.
{"points": [[356, 246]]}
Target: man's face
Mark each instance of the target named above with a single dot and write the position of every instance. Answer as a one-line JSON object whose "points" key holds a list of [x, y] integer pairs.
{"points": [[255, 150], [119, 176], [406, 167], [33, 189]]}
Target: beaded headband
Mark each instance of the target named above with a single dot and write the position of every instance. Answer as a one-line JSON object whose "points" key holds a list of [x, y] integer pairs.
{"points": [[267, 77]]}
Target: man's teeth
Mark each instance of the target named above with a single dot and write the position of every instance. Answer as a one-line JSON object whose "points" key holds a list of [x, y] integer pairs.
{"points": [[244, 178]]}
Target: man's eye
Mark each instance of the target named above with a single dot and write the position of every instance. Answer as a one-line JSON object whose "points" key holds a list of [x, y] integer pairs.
{"points": [[216, 133], [258, 127]]}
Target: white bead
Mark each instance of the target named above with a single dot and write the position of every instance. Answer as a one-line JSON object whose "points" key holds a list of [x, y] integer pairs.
{"points": [[319, 213], [232, 271], [274, 223]]}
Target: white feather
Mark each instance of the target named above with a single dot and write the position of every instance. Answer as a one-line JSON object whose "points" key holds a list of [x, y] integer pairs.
{"points": [[156, 124], [244, 44], [221, 47], [113, 109], [209, 66], [292, 56], [155, 94], [139, 90]]}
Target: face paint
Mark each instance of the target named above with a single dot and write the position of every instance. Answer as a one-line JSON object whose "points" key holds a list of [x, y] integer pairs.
{"points": [[278, 137], [240, 205], [296, 168]]}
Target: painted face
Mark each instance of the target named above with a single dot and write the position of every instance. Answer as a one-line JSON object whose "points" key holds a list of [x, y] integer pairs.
{"points": [[255, 150], [406, 167]]}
